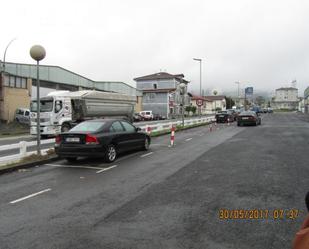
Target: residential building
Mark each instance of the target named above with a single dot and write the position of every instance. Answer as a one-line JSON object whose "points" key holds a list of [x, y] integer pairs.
{"points": [[286, 98], [18, 86], [162, 93], [218, 102], [206, 104]]}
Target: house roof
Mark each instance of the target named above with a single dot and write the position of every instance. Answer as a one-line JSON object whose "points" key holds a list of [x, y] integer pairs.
{"points": [[195, 97], [286, 88], [215, 97], [161, 76], [159, 90]]}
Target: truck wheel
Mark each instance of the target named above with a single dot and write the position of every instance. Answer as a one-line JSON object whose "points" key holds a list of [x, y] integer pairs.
{"points": [[111, 153], [65, 127]]}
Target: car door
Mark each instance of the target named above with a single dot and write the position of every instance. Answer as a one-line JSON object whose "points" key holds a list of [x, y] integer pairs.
{"points": [[136, 139], [117, 132]]}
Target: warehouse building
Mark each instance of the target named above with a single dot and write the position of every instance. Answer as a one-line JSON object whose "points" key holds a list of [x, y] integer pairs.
{"points": [[18, 86]]}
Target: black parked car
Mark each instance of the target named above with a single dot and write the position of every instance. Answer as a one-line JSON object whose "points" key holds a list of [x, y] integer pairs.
{"points": [[100, 138], [248, 118], [224, 117]]}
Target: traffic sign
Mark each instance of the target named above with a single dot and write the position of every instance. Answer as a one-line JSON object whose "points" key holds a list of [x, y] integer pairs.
{"points": [[199, 102]]}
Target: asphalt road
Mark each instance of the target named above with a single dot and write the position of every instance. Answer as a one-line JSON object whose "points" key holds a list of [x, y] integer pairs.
{"points": [[167, 197]]}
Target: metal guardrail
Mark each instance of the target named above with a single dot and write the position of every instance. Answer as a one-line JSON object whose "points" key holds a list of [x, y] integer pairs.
{"points": [[22, 145]]}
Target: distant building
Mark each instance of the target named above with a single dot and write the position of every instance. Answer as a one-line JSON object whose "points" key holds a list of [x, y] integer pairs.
{"points": [[218, 102], [286, 98], [206, 107], [162, 94]]}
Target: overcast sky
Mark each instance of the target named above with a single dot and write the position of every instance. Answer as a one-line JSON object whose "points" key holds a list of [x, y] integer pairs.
{"points": [[260, 43]]}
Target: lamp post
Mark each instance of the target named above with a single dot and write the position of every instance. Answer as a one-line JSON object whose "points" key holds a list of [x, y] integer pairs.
{"points": [[182, 87], [215, 93], [237, 82], [37, 52], [5, 52], [200, 60]]}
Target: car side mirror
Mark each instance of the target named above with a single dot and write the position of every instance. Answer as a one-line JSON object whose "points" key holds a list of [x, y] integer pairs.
{"points": [[138, 129]]}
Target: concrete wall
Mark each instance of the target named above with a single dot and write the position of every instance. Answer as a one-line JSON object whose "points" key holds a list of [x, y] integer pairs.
{"points": [[139, 104], [156, 102], [159, 84], [14, 98]]}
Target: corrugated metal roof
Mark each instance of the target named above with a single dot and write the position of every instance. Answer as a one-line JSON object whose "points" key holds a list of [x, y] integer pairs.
{"points": [[60, 75]]}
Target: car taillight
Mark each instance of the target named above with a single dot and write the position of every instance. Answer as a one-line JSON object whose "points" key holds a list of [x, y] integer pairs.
{"points": [[91, 139], [58, 139]]}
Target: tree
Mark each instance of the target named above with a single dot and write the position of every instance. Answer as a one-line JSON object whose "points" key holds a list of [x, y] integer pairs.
{"points": [[229, 102], [193, 109]]}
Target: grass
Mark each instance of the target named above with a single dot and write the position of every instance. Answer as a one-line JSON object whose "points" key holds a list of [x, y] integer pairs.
{"points": [[13, 129]]}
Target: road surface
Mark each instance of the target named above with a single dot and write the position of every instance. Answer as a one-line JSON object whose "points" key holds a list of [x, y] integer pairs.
{"points": [[168, 197]]}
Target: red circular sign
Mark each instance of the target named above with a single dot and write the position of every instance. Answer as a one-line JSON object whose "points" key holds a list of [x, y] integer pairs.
{"points": [[199, 102]]}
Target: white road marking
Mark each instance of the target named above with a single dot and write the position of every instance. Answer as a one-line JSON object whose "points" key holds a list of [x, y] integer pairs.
{"points": [[188, 139], [29, 196], [71, 166], [102, 170], [146, 154]]}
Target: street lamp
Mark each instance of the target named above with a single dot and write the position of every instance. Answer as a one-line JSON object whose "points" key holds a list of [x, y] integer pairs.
{"points": [[38, 53], [215, 92], [237, 82], [5, 52], [182, 87], [200, 60]]}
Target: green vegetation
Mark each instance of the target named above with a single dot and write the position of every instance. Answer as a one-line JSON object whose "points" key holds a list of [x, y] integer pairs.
{"points": [[13, 129]]}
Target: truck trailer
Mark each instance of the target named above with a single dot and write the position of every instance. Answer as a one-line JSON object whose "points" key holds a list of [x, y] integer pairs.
{"points": [[61, 110]]}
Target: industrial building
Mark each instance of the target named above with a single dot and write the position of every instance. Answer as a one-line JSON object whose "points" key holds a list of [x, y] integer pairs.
{"points": [[18, 81]]}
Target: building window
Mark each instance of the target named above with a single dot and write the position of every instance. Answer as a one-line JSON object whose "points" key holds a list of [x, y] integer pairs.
{"points": [[18, 82], [155, 86], [6, 80], [12, 81], [23, 83]]}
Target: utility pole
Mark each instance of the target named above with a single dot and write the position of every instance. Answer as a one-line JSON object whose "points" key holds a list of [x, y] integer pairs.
{"points": [[237, 82]]}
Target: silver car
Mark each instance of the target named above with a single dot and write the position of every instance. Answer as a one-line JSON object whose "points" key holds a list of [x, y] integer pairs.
{"points": [[22, 115]]}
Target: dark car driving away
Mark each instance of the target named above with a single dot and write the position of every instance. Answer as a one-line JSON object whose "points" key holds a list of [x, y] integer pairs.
{"points": [[248, 118], [100, 138], [224, 117]]}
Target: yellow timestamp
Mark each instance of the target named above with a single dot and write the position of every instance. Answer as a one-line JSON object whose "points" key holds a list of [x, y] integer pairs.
{"points": [[257, 214]]}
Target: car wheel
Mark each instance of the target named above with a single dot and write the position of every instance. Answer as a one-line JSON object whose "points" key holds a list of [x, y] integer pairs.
{"points": [[65, 127], [71, 159], [111, 153], [146, 144]]}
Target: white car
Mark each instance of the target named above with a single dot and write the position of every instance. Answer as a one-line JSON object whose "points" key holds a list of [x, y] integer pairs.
{"points": [[22, 115], [146, 115]]}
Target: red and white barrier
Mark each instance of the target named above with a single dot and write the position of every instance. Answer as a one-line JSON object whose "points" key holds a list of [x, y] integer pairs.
{"points": [[172, 135], [148, 130]]}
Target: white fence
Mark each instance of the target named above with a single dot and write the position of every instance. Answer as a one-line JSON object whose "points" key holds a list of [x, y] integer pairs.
{"points": [[22, 146]]}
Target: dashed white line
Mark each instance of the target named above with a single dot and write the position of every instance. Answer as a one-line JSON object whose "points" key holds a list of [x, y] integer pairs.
{"points": [[146, 154], [29, 196], [188, 139], [102, 170], [71, 166]]}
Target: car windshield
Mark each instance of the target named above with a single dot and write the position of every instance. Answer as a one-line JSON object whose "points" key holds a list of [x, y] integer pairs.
{"points": [[45, 105], [88, 126]]}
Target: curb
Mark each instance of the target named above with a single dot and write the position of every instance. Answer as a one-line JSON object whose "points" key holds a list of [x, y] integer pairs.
{"points": [[28, 165]]}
